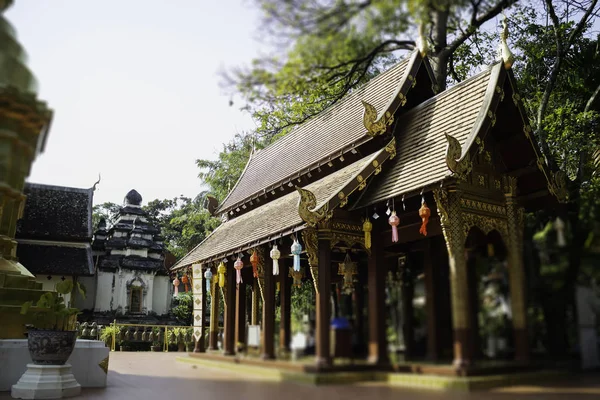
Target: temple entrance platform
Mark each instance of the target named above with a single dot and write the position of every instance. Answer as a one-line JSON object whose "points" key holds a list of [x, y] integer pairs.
{"points": [[410, 375]]}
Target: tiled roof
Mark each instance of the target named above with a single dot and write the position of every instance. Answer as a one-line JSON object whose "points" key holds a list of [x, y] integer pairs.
{"points": [[325, 135], [54, 258], [271, 218], [420, 159], [56, 213]]}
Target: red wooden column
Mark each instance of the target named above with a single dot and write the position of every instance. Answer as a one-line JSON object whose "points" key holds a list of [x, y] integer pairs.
{"points": [[268, 314], [240, 314], [229, 328], [324, 303], [285, 293], [214, 314], [376, 284]]}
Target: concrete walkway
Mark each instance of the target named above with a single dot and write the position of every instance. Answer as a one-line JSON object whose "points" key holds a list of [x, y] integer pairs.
{"points": [[149, 376]]}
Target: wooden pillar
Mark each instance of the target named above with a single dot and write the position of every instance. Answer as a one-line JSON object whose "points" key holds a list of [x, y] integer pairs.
{"points": [[255, 302], [449, 210], [240, 314], [213, 332], [268, 314], [285, 292], [430, 260], [229, 321], [199, 290], [514, 215], [322, 339], [376, 283], [408, 315], [359, 295]]}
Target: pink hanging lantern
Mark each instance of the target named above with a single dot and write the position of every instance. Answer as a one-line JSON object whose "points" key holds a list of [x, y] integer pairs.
{"points": [[394, 221], [176, 285], [238, 265]]}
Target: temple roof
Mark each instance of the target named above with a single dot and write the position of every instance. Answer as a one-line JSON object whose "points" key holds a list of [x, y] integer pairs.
{"points": [[422, 143], [334, 130], [273, 219], [56, 213], [56, 258]]}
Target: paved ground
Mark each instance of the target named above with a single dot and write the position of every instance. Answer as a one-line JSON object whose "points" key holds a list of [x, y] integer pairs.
{"points": [[149, 376]]}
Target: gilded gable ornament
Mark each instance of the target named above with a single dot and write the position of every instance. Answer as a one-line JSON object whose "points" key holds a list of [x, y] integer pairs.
{"points": [[461, 168], [507, 56], [374, 126], [557, 185], [307, 207]]}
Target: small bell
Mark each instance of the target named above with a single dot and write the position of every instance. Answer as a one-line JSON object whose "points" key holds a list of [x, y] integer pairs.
{"points": [[367, 228], [559, 226], [208, 277], [254, 262], [394, 221], [275, 254], [296, 251], [221, 270], [424, 213], [238, 265]]}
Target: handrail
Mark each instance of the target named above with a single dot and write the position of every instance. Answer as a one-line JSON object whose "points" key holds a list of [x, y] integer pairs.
{"points": [[165, 327]]}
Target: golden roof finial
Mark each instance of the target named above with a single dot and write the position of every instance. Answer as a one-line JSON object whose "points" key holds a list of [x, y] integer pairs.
{"points": [[507, 56], [422, 43]]}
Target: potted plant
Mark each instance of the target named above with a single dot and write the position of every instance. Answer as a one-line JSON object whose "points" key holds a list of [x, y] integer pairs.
{"points": [[157, 344], [107, 335], [52, 338]]}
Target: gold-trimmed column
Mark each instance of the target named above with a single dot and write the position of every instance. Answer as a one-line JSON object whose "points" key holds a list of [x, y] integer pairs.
{"points": [[255, 300], [450, 213], [214, 313], [515, 214]]}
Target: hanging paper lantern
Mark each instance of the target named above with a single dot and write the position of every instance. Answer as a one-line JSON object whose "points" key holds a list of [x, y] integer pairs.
{"points": [[185, 280], [367, 228], [254, 262], [176, 285], [394, 221], [221, 269], [296, 250], [297, 276], [559, 226], [424, 213], [238, 265], [348, 269], [275, 254], [208, 277]]}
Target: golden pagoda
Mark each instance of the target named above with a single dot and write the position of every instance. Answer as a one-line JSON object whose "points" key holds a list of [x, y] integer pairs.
{"points": [[24, 124]]}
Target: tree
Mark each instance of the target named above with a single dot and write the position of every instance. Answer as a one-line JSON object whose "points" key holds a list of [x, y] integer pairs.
{"points": [[106, 210]]}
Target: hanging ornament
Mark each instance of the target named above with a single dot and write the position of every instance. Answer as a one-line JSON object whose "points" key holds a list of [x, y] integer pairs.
{"points": [[348, 269], [176, 285], [297, 276], [394, 221], [559, 226], [275, 254], [296, 250], [221, 269], [367, 228], [238, 265], [254, 262], [208, 277], [424, 213], [185, 280], [490, 250]]}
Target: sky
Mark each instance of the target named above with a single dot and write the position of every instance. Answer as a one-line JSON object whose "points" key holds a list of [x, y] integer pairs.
{"points": [[135, 89]]}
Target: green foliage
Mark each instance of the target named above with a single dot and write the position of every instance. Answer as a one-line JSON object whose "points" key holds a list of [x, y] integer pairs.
{"points": [[177, 335], [302, 303], [107, 334], [105, 210], [183, 308], [51, 312]]}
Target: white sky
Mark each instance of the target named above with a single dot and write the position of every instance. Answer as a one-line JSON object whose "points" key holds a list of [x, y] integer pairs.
{"points": [[134, 86]]}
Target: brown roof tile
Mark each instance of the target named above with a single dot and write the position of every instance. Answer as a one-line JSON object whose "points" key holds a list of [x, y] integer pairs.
{"points": [[271, 218], [420, 159], [322, 136]]}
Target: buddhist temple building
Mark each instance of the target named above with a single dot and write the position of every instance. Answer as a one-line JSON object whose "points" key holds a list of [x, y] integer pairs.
{"points": [[55, 234], [131, 278], [396, 185]]}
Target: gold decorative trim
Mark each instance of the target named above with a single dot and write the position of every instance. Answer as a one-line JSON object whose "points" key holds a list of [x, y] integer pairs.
{"points": [[527, 131], [510, 185], [492, 117], [453, 154], [557, 185], [402, 98], [346, 227], [500, 91], [307, 207], [104, 365], [481, 206], [349, 239], [374, 126], [391, 148], [486, 224], [311, 242]]}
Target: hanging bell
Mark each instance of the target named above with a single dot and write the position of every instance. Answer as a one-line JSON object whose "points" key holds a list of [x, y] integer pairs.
{"points": [[208, 277], [221, 270], [394, 221], [275, 254], [296, 251], [424, 213], [238, 265], [254, 262], [367, 228]]}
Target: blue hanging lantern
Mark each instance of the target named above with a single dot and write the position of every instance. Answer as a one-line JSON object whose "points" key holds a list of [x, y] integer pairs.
{"points": [[296, 250], [208, 276]]}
